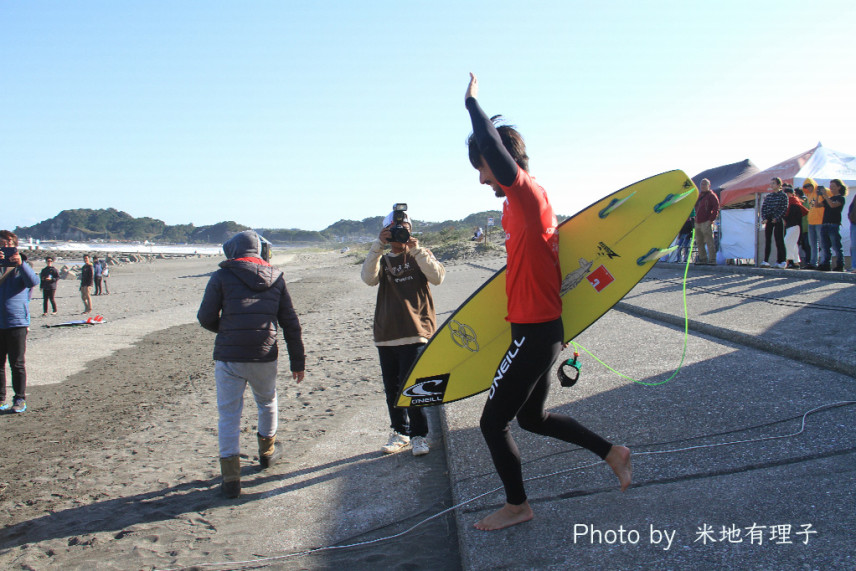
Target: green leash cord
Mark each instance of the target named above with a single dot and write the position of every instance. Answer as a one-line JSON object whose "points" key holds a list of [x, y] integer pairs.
{"points": [[577, 347]]}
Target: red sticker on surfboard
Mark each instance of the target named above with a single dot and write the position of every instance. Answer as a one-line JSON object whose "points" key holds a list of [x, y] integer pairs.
{"points": [[600, 278]]}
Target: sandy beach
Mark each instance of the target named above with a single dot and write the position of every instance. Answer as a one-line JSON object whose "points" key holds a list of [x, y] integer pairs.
{"points": [[113, 466]]}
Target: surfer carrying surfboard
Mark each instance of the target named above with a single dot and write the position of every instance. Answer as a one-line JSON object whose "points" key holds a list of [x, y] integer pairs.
{"points": [[522, 379]]}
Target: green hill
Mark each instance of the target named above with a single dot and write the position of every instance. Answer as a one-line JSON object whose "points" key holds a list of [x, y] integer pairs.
{"points": [[110, 224]]}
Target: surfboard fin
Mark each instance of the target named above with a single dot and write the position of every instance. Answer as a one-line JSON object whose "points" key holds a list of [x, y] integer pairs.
{"points": [[672, 199], [655, 254], [614, 203]]}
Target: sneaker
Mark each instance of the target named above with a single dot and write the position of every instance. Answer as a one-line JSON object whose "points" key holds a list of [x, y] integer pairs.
{"points": [[4, 406], [765, 264], [781, 265], [824, 268], [397, 442], [20, 405], [419, 446]]}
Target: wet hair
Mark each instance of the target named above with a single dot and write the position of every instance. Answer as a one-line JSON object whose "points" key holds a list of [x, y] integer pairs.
{"points": [[10, 236], [841, 185], [511, 139]]}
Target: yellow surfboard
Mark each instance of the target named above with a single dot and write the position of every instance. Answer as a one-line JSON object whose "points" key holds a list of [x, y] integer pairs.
{"points": [[604, 251]]}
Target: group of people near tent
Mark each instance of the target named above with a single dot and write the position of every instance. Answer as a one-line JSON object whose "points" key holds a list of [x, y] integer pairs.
{"points": [[803, 223], [806, 225]]}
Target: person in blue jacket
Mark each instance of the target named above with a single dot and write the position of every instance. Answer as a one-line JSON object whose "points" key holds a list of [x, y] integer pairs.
{"points": [[16, 281]]}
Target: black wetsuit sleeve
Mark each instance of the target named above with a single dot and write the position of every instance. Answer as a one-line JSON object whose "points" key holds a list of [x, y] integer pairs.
{"points": [[490, 145]]}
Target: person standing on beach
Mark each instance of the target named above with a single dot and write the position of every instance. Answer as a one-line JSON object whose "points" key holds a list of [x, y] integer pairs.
{"points": [[793, 227], [16, 281], [245, 302], [49, 278], [97, 273], [706, 210], [86, 277], [815, 222], [773, 213], [533, 281], [404, 321], [105, 273], [833, 205], [851, 216]]}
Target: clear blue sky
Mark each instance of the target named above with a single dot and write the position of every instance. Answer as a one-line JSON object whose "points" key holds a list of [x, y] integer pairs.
{"points": [[297, 114]]}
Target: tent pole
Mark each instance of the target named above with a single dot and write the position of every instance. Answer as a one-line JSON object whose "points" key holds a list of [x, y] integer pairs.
{"points": [[758, 246]]}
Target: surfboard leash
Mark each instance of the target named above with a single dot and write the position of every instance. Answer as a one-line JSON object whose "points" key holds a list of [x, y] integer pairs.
{"points": [[569, 370]]}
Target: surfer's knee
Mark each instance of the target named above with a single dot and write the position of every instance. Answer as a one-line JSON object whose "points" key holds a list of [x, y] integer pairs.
{"points": [[491, 425], [531, 422]]}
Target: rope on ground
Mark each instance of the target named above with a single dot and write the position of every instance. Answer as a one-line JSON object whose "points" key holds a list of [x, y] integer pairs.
{"points": [[265, 560]]}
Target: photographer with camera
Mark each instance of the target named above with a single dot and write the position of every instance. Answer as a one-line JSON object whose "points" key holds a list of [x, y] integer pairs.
{"points": [[16, 280], [49, 278], [404, 319]]}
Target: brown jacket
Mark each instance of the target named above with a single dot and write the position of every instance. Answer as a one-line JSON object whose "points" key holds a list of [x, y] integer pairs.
{"points": [[404, 313]]}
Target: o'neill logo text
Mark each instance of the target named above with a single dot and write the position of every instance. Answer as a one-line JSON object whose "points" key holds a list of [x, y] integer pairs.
{"points": [[505, 364], [427, 390], [600, 278]]}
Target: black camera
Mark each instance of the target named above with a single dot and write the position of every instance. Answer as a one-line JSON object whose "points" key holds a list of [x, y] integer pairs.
{"points": [[398, 233], [5, 262]]}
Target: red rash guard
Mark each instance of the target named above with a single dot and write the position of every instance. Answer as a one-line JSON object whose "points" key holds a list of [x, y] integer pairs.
{"points": [[533, 277]]}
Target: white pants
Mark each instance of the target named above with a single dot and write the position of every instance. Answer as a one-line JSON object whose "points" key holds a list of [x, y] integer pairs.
{"points": [[232, 378], [792, 236]]}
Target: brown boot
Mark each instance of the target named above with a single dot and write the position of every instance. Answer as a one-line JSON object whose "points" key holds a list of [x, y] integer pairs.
{"points": [[270, 451], [231, 469]]}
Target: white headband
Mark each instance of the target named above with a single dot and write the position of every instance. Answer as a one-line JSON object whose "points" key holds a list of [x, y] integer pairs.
{"points": [[388, 220]]}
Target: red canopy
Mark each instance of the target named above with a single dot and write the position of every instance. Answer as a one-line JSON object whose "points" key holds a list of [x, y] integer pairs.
{"points": [[743, 190]]}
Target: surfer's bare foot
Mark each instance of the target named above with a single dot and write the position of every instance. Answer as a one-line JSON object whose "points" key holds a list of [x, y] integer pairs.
{"points": [[507, 516], [619, 460]]}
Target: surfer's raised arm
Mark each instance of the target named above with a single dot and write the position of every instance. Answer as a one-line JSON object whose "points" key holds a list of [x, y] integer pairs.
{"points": [[488, 140]]}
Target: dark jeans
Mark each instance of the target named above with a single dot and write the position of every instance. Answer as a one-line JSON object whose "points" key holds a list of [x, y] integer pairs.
{"points": [[395, 363], [520, 388], [830, 243], [13, 345], [778, 229], [97, 285], [48, 295]]}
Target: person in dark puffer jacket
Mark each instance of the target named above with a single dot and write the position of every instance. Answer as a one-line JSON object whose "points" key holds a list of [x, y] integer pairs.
{"points": [[244, 303]]}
